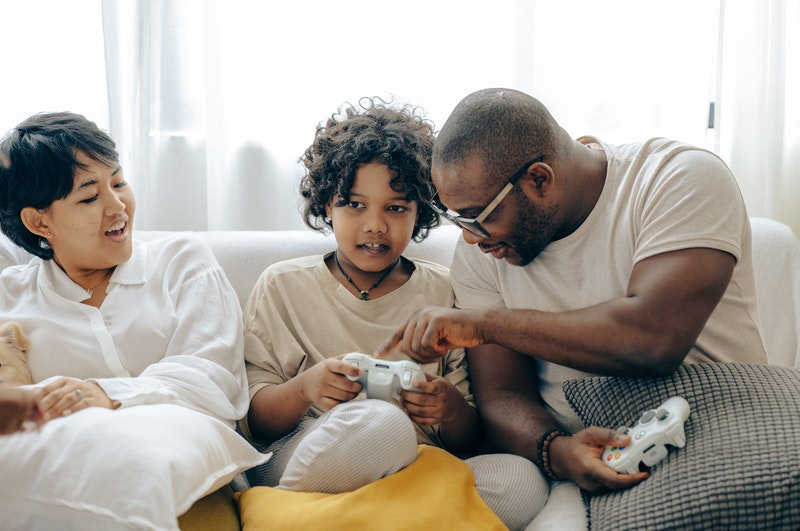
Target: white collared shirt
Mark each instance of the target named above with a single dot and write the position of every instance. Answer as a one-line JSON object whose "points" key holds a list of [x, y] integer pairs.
{"points": [[168, 331]]}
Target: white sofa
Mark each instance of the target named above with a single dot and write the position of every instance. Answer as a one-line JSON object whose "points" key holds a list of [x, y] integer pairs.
{"points": [[245, 254]]}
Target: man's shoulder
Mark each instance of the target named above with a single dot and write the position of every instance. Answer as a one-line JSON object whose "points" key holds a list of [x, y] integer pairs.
{"points": [[656, 147]]}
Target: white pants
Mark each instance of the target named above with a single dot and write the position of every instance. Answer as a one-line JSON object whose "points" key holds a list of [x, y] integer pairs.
{"points": [[362, 441]]}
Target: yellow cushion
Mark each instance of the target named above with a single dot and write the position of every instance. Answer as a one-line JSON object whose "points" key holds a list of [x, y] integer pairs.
{"points": [[215, 512], [437, 491]]}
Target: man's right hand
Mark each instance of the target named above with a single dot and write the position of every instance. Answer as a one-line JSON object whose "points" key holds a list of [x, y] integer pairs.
{"points": [[577, 458], [432, 331]]}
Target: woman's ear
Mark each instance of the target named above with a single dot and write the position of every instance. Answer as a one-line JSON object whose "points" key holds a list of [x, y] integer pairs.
{"points": [[35, 222]]}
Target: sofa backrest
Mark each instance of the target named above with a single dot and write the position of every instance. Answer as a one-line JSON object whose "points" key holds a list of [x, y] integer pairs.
{"points": [[245, 254], [776, 261]]}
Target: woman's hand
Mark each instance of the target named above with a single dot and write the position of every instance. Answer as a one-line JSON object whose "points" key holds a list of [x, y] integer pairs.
{"points": [[68, 395]]}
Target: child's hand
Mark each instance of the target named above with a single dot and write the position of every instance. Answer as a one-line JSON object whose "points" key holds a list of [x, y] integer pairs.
{"points": [[326, 383], [19, 409], [438, 401]]}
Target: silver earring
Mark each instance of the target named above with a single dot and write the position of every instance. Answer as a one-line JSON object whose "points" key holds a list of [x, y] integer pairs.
{"points": [[327, 220]]}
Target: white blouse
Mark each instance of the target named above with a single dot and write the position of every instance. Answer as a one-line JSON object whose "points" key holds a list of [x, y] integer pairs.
{"points": [[168, 331]]}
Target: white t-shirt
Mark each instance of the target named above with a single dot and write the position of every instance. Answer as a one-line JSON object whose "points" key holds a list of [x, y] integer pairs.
{"points": [[659, 196], [299, 314], [168, 331]]}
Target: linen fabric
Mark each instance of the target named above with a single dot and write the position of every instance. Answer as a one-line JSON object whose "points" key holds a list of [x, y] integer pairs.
{"points": [[740, 468], [281, 342], [133, 468], [659, 196], [169, 330], [167, 345]]}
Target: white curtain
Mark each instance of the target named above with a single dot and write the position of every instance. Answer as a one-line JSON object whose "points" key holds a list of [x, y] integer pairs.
{"points": [[212, 102], [157, 112], [758, 124]]}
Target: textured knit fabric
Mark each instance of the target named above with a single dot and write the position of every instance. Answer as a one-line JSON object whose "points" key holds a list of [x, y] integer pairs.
{"points": [[740, 468], [510, 486], [352, 445], [659, 196]]}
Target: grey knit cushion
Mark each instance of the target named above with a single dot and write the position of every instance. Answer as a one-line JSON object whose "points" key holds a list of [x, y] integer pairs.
{"points": [[740, 468]]}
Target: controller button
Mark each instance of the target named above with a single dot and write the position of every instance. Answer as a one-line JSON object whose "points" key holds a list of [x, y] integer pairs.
{"points": [[407, 377], [647, 417], [617, 455], [639, 434], [609, 457], [662, 414]]}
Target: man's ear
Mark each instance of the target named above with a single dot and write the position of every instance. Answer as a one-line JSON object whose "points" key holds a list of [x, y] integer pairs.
{"points": [[540, 178], [35, 222]]}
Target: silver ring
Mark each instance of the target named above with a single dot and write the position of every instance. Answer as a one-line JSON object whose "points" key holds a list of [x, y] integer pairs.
{"points": [[79, 394]]}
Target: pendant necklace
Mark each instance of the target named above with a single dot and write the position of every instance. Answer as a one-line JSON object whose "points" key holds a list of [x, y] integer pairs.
{"points": [[364, 293], [90, 290]]}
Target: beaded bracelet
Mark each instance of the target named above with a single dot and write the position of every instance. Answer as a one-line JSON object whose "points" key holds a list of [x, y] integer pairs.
{"points": [[543, 452]]}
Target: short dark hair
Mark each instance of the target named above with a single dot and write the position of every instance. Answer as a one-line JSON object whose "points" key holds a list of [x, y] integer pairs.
{"points": [[374, 131], [503, 128], [38, 160]]}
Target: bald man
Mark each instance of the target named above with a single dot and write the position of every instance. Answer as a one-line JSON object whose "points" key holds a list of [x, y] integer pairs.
{"points": [[580, 258]]}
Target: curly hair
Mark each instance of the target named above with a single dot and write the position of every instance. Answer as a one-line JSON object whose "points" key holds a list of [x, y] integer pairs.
{"points": [[374, 131], [38, 160]]}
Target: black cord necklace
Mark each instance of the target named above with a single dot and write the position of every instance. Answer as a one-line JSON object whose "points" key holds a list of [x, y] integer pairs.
{"points": [[364, 294]]}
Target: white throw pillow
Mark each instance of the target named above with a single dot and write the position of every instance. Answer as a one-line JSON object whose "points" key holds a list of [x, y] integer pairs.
{"points": [[133, 468]]}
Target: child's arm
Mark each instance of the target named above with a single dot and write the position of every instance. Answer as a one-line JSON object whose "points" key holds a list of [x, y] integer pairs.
{"points": [[276, 409], [440, 402], [19, 406]]}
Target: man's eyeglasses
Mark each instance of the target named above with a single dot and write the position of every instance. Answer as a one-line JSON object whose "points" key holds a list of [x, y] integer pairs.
{"points": [[473, 225]]}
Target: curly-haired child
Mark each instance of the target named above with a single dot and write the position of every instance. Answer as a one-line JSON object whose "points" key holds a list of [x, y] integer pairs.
{"points": [[368, 180]]}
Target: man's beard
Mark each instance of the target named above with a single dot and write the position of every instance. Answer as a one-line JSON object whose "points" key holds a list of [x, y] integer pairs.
{"points": [[534, 231]]}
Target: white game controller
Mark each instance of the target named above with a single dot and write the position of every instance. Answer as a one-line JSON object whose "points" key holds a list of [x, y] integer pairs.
{"points": [[381, 378], [655, 429]]}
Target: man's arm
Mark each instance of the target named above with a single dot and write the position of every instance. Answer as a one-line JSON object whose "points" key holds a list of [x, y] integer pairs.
{"points": [[647, 332], [506, 392]]}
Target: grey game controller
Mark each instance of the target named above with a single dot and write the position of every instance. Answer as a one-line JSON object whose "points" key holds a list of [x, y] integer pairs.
{"points": [[655, 429], [381, 378]]}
